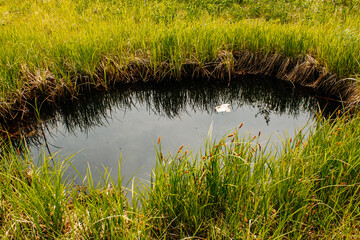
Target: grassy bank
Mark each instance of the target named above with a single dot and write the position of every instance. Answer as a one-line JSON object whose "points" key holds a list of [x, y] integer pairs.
{"points": [[49, 48], [232, 189]]}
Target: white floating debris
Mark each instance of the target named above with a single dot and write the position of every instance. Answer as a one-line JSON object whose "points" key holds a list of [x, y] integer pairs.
{"points": [[223, 108]]}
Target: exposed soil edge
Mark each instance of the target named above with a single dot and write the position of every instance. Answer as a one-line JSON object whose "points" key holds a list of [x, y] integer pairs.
{"points": [[303, 70]]}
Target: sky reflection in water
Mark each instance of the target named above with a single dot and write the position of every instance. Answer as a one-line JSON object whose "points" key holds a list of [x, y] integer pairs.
{"points": [[106, 125]]}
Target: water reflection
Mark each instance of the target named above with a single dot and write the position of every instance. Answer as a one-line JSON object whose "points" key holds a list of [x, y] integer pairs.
{"points": [[172, 99], [125, 121]]}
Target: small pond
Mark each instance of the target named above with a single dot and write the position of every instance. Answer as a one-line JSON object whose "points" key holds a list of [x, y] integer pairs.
{"points": [[103, 126]]}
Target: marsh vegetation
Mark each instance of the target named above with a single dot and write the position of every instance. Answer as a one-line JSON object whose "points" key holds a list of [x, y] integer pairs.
{"points": [[232, 188], [66, 44]]}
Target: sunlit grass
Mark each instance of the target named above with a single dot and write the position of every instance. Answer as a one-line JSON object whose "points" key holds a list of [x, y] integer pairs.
{"points": [[234, 187], [68, 38], [37, 201]]}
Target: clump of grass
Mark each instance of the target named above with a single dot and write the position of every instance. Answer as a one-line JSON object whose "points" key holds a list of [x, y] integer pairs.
{"points": [[38, 202], [236, 189]]}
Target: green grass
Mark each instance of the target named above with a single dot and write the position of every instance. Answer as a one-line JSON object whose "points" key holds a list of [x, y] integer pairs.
{"points": [[235, 189], [60, 40], [36, 202], [232, 188]]}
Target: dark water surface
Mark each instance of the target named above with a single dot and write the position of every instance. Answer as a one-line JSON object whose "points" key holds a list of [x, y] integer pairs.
{"points": [[103, 126]]}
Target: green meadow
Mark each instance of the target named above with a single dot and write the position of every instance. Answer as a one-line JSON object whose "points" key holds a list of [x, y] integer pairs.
{"points": [[231, 188], [51, 47]]}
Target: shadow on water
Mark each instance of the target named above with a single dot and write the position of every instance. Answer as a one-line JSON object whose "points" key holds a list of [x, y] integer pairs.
{"points": [[169, 100]]}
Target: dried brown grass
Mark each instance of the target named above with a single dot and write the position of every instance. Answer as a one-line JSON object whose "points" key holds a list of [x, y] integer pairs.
{"points": [[303, 70]]}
